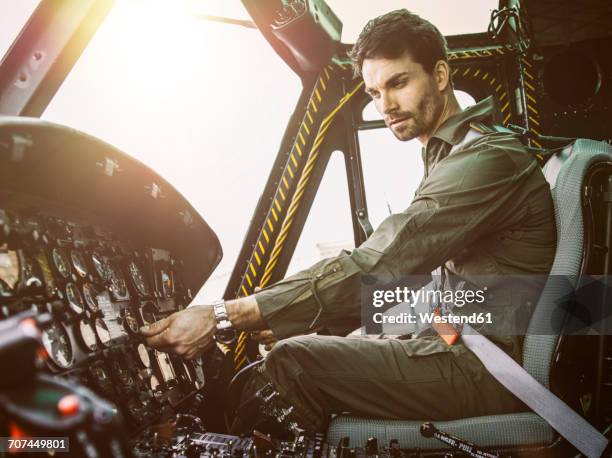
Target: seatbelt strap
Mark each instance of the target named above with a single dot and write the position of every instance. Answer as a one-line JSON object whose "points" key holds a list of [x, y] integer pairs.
{"points": [[580, 433]]}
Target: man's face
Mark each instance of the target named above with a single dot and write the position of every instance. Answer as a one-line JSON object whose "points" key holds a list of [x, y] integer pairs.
{"points": [[407, 97]]}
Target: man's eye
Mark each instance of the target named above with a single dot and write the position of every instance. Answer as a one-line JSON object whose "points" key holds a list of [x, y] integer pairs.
{"points": [[400, 83], [373, 95]]}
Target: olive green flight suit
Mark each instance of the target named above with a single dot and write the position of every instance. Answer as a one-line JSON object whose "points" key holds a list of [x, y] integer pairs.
{"points": [[486, 209]]}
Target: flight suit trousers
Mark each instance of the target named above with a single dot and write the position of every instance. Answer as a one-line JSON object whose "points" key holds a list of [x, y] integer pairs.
{"points": [[415, 379]]}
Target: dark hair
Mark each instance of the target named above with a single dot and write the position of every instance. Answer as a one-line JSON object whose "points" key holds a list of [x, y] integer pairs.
{"points": [[391, 35]]}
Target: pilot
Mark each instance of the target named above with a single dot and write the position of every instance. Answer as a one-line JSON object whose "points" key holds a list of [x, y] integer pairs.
{"points": [[483, 208]]}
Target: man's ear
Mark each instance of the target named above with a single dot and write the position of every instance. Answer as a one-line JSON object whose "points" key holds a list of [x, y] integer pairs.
{"points": [[442, 75]]}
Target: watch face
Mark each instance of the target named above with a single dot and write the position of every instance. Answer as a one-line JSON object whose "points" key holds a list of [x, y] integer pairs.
{"points": [[225, 336]]}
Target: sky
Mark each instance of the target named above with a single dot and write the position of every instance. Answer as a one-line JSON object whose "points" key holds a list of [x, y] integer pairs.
{"points": [[206, 104]]}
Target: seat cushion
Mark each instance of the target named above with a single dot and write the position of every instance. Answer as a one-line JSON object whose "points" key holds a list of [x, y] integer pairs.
{"points": [[507, 430]]}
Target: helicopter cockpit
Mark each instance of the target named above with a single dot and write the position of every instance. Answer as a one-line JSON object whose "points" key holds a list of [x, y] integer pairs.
{"points": [[139, 137]]}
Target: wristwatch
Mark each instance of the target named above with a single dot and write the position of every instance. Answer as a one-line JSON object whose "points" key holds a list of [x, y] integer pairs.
{"points": [[225, 334]]}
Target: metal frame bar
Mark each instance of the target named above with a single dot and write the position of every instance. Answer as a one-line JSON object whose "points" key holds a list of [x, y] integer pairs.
{"points": [[45, 51]]}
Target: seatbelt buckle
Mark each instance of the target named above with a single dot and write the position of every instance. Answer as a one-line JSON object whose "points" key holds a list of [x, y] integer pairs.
{"points": [[447, 331]]}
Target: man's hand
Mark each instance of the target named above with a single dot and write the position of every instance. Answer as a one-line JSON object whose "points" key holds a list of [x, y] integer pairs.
{"points": [[187, 333], [265, 338]]}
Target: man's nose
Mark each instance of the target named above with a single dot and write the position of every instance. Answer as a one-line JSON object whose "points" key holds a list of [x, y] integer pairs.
{"points": [[388, 103]]}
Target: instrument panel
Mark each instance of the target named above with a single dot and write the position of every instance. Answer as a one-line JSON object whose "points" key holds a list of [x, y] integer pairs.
{"points": [[98, 291]]}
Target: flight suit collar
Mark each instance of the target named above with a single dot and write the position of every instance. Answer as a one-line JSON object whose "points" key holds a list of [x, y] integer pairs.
{"points": [[453, 130]]}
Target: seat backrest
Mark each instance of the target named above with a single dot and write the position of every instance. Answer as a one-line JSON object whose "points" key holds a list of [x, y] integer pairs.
{"points": [[565, 172]]}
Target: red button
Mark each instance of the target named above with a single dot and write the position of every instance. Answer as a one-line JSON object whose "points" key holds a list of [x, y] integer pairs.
{"points": [[69, 405]]}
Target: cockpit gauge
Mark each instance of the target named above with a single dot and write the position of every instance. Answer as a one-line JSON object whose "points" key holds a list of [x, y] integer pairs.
{"points": [[138, 279], [57, 343], [130, 323], [32, 273], [154, 383], [9, 270], [90, 296], [188, 372], [165, 366], [74, 298], [118, 285], [102, 332], [101, 266], [87, 335], [60, 261], [147, 313], [78, 261], [143, 355], [167, 284]]}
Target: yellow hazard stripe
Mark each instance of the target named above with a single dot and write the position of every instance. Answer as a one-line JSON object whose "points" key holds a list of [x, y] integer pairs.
{"points": [[308, 115], [506, 118], [257, 258], [505, 107], [279, 243]]}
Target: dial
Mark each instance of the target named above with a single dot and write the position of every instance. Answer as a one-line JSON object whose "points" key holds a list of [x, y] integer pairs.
{"points": [[60, 261], [148, 313], [130, 323], [89, 293], [88, 335], [102, 331], [74, 298], [144, 356], [187, 370], [118, 284], [165, 366], [33, 272], [9, 268], [138, 279], [101, 266], [167, 283], [154, 383], [57, 343], [78, 261]]}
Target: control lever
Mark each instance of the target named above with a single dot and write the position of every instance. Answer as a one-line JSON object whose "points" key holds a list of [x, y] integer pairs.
{"points": [[429, 430]]}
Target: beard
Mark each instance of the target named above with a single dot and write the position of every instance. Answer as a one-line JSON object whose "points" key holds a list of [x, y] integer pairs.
{"points": [[420, 122]]}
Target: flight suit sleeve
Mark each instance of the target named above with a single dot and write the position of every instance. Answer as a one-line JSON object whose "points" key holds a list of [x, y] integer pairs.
{"points": [[467, 195]]}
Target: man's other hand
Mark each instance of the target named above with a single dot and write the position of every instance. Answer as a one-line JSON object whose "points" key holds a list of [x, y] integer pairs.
{"points": [[266, 338], [187, 333]]}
